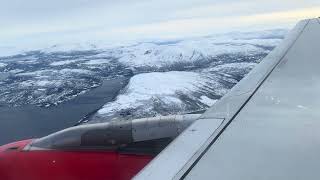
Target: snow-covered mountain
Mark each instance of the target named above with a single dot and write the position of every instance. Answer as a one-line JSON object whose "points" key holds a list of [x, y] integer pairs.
{"points": [[155, 93], [165, 77]]}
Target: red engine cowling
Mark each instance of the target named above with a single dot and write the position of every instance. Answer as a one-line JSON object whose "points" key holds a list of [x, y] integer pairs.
{"points": [[18, 164], [115, 150]]}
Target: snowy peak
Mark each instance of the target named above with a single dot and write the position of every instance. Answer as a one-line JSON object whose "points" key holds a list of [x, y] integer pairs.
{"points": [[143, 47]]}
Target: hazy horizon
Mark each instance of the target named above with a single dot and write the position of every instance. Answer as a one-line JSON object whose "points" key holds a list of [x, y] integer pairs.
{"points": [[32, 22]]}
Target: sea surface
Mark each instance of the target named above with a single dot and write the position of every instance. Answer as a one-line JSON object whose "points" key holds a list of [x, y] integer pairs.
{"points": [[30, 121]]}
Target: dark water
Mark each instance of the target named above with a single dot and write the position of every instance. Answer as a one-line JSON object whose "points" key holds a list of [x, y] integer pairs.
{"points": [[25, 122]]}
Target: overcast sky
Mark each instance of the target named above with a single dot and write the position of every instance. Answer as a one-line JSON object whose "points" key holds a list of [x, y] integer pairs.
{"points": [[121, 20]]}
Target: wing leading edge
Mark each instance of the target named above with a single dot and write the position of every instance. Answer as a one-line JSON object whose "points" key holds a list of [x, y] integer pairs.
{"points": [[266, 127]]}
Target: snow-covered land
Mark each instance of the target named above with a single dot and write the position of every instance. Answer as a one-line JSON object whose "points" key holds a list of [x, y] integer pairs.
{"points": [[149, 92], [164, 93], [190, 51], [61, 63], [165, 76], [3, 65]]}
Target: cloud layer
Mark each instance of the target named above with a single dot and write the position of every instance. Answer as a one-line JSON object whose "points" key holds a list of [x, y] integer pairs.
{"points": [[55, 21]]}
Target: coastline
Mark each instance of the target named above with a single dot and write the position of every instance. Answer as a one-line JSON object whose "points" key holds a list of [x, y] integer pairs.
{"points": [[29, 121]]}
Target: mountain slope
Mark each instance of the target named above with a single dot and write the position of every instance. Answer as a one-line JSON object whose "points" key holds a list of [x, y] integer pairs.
{"points": [[166, 77]]}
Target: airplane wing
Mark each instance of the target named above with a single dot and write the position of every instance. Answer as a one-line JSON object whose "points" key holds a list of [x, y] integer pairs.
{"points": [[266, 127]]}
